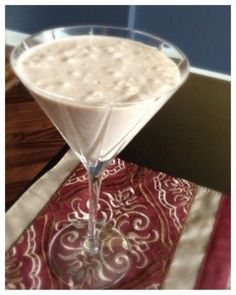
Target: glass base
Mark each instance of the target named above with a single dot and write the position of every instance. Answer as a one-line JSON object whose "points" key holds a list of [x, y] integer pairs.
{"points": [[77, 268]]}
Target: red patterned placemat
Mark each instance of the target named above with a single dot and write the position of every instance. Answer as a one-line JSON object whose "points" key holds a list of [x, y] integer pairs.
{"points": [[153, 204]]}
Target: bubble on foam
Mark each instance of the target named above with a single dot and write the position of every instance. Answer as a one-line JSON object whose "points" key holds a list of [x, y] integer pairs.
{"points": [[76, 74]]}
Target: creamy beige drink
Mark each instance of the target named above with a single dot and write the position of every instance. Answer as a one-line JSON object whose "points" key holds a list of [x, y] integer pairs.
{"points": [[98, 90]]}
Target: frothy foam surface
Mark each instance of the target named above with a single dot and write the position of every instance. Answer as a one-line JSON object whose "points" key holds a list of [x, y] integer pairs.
{"points": [[99, 69]]}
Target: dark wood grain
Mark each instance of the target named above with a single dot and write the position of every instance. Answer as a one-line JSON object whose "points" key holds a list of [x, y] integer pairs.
{"points": [[31, 139]]}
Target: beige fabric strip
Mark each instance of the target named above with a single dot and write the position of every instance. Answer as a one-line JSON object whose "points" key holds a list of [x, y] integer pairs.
{"points": [[34, 199], [192, 245]]}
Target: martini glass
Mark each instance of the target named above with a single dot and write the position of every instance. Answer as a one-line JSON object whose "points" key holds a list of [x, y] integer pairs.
{"points": [[88, 253]]}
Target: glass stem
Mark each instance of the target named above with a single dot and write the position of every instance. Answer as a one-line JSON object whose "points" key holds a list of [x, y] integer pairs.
{"points": [[95, 178]]}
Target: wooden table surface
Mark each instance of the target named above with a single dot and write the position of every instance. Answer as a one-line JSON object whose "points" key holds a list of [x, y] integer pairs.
{"points": [[31, 139]]}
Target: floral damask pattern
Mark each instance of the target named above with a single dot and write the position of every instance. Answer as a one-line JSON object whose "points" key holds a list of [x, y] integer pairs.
{"points": [[147, 206]]}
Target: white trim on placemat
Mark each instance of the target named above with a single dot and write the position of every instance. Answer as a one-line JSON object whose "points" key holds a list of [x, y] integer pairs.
{"points": [[19, 216], [191, 248]]}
